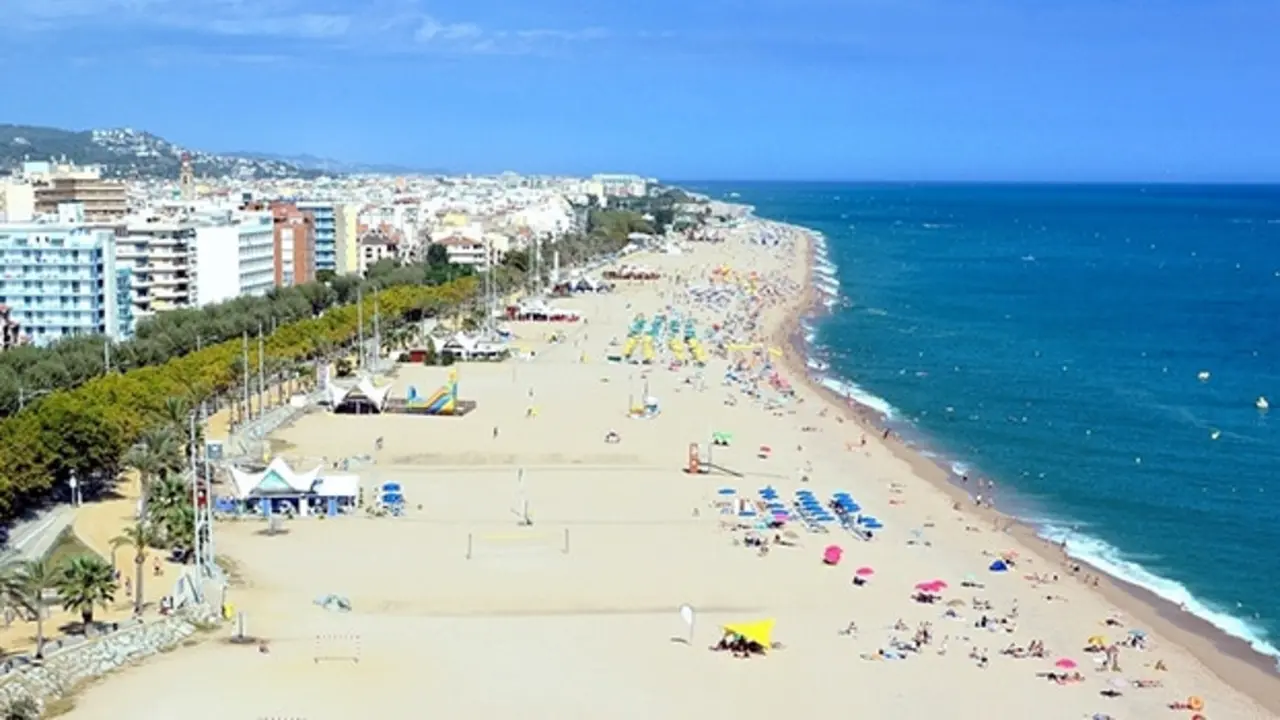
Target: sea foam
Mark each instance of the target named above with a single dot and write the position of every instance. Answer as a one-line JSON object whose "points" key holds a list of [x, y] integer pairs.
{"points": [[1112, 561]]}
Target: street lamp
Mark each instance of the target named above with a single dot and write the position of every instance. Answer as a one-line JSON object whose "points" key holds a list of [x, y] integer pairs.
{"points": [[74, 484]]}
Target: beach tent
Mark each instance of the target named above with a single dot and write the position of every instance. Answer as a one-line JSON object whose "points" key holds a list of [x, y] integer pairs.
{"points": [[759, 631], [998, 566], [361, 398], [277, 479]]}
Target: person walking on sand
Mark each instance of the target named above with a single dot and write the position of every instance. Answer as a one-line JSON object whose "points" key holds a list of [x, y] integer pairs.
{"points": [[495, 432]]}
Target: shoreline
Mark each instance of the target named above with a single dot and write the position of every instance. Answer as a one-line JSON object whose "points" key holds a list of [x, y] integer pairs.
{"points": [[1231, 659]]}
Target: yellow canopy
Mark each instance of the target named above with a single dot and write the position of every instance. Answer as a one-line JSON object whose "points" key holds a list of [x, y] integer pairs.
{"points": [[1097, 640], [758, 631]]}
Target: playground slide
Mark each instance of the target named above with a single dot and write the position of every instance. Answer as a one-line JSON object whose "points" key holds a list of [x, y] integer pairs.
{"points": [[441, 401], [629, 348], [648, 350]]}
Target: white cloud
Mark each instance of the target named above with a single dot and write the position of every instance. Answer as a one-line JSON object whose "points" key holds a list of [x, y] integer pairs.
{"points": [[431, 30], [381, 26]]}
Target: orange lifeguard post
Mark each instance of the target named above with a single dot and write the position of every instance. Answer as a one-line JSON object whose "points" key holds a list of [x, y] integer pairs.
{"points": [[695, 460]]}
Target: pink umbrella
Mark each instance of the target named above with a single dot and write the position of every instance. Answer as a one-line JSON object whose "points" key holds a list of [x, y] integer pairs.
{"points": [[864, 572], [832, 555], [925, 587], [940, 584], [1066, 664]]}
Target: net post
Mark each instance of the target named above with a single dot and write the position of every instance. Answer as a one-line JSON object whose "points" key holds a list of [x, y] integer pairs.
{"points": [[565, 549], [469, 536]]}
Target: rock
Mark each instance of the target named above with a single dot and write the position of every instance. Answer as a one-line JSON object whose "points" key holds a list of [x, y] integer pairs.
{"points": [[70, 663]]}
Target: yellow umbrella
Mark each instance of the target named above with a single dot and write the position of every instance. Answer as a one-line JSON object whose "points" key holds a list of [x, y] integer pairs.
{"points": [[758, 631], [1097, 640]]}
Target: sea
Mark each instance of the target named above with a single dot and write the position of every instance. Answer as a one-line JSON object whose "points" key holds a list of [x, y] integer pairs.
{"points": [[1100, 352]]}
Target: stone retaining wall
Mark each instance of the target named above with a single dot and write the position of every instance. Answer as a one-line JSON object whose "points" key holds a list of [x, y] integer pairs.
{"points": [[70, 662]]}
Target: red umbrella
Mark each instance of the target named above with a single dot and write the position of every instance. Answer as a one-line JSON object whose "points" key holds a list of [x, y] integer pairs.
{"points": [[925, 586], [940, 584], [864, 572], [1065, 664]]}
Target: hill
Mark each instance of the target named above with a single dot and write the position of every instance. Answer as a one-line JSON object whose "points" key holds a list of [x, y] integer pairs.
{"points": [[129, 153]]}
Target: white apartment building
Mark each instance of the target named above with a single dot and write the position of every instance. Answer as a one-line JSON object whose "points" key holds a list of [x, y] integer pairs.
{"points": [[234, 256], [17, 200], [158, 253], [619, 185]]}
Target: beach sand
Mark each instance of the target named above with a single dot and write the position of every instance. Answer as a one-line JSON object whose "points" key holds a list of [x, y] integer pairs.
{"points": [[523, 627]]}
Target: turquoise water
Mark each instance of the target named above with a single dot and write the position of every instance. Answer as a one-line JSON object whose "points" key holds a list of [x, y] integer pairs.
{"points": [[1051, 338]]}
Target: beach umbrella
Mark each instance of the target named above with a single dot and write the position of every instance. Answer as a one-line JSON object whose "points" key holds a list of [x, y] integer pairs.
{"points": [[1097, 640], [1065, 664], [941, 584], [864, 571], [832, 554], [925, 586], [956, 603], [1138, 633], [760, 631], [726, 491]]}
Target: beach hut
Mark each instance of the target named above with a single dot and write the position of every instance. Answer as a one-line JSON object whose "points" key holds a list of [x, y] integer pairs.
{"points": [[278, 489]]}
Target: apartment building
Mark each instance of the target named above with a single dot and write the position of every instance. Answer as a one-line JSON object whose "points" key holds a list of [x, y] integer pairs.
{"points": [[234, 255], [295, 245], [17, 200], [158, 253], [58, 278], [347, 239], [104, 201], [618, 185], [325, 214], [377, 244]]}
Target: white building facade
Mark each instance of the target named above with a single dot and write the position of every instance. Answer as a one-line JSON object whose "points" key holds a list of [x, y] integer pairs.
{"points": [[234, 256]]}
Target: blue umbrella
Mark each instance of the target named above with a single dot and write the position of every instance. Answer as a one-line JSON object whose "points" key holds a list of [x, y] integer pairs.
{"points": [[727, 491]]}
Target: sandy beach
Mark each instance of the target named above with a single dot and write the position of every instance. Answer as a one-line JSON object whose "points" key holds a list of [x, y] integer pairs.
{"points": [[461, 611]]}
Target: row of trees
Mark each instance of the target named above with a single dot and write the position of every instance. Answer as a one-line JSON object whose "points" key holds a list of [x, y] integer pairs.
{"points": [[87, 431], [29, 373]]}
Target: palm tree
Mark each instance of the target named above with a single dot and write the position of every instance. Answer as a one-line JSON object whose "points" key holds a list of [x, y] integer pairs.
{"points": [[139, 537], [177, 416], [27, 582], [170, 512], [86, 581], [156, 452]]}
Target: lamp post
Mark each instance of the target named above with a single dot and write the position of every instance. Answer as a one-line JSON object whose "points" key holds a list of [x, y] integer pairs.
{"points": [[74, 484]]}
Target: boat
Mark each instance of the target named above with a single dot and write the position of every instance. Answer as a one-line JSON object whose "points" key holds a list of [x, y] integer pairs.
{"points": [[1262, 403]]}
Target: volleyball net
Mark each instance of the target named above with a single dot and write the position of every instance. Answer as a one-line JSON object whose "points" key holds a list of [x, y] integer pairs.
{"points": [[523, 541]]}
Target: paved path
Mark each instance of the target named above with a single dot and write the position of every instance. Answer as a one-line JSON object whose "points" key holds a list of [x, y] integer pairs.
{"points": [[33, 539]]}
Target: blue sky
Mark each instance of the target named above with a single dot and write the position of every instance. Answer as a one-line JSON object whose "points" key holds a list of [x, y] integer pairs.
{"points": [[760, 89]]}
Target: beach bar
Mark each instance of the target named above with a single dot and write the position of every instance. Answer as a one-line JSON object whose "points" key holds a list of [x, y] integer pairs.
{"points": [[278, 489]]}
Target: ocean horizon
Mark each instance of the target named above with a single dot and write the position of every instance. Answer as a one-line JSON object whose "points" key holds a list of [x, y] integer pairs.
{"points": [[1099, 351]]}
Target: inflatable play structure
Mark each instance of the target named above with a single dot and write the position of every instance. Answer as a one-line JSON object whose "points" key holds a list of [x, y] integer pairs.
{"points": [[444, 401]]}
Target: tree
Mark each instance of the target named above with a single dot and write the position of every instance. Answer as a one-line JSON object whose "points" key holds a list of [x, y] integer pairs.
{"points": [[156, 453], [437, 255], [85, 582], [139, 537], [27, 582], [169, 511]]}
